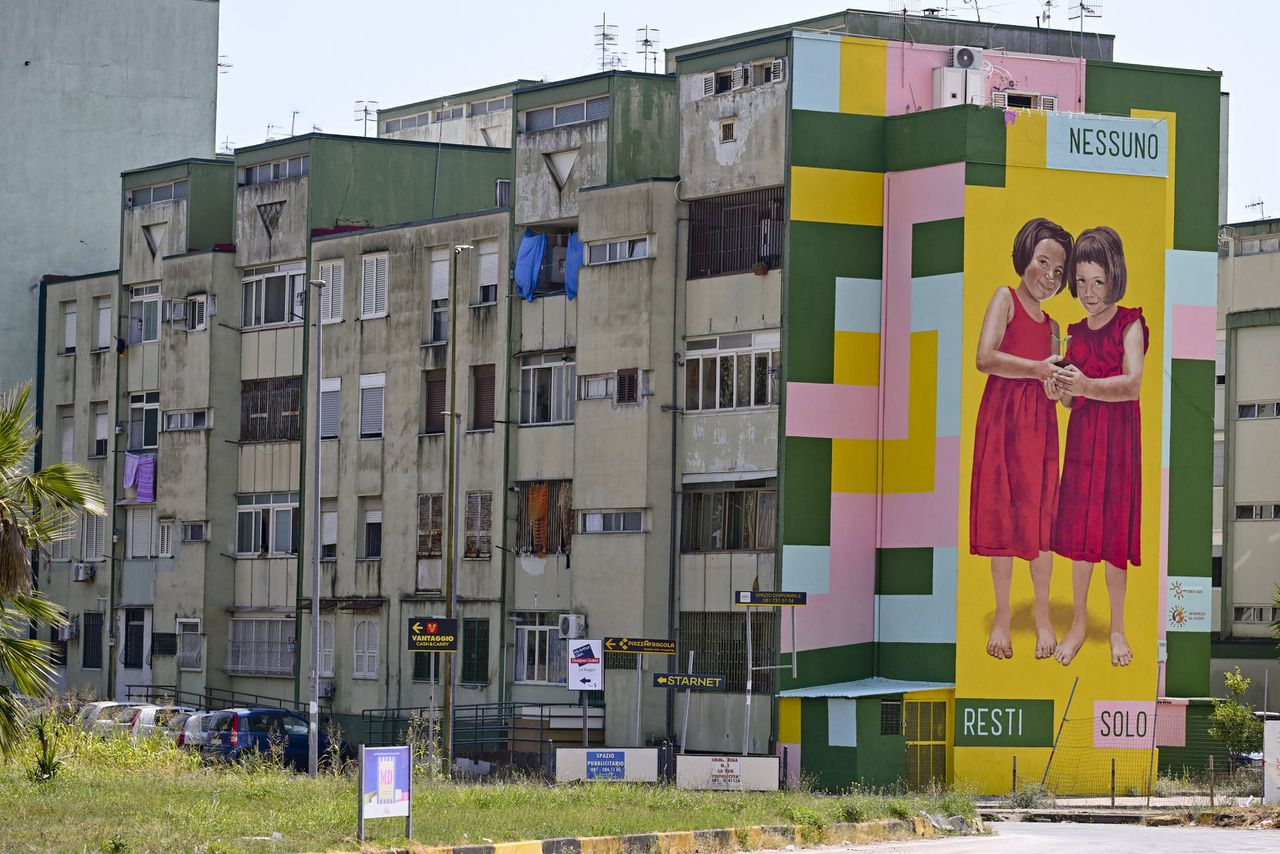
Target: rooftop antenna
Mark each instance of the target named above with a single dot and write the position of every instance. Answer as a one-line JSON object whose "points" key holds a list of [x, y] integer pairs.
{"points": [[977, 8], [317, 129], [293, 122], [607, 39], [647, 45], [1047, 17], [271, 129], [228, 146], [1257, 203], [1085, 9], [365, 110], [223, 65]]}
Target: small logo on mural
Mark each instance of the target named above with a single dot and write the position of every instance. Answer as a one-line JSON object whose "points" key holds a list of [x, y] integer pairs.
{"points": [[1177, 616], [1176, 590]]}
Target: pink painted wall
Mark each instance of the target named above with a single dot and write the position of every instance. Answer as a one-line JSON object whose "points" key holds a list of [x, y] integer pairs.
{"points": [[909, 76]]}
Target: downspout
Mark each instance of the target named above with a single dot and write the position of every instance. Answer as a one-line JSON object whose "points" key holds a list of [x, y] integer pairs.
{"points": [[508, 356], [673, 575], [305, 405], [122, 317]]}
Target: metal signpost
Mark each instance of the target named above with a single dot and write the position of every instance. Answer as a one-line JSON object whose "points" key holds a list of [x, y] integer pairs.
{"points": [[585, 672], [386, 786], [639, 647], [766, 599]]}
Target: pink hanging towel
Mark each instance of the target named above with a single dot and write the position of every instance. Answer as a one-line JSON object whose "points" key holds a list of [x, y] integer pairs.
{"points": [[147, 479]]}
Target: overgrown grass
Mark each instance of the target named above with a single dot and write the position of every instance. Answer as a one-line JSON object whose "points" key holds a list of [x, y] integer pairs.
{"points": [[118, 796]]}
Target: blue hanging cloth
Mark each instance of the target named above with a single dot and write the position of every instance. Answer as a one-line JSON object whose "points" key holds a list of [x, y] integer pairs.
{"points": [[572, 261], [533, 247]]}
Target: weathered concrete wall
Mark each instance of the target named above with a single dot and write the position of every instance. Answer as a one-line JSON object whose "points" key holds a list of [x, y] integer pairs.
{"points": [[255, 243], [137, 262], [492, 130], [753, 159], [537, 197], [730, 442]]}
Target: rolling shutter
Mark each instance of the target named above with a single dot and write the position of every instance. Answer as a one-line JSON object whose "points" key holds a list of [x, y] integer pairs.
{"points": [[439, 274], [371, 399], [330, 407], [482, 397], [435, 401]]}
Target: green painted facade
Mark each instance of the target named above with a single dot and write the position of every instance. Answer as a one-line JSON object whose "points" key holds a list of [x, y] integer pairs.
{"points": [[644, 128]]}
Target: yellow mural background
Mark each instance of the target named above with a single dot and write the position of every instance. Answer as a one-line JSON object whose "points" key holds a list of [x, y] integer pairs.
{"points": [[1139, 208]]}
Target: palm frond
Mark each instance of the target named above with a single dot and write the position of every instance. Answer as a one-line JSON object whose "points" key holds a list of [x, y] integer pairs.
{"points": [[27, 661], [12, 718], [17, 435]]}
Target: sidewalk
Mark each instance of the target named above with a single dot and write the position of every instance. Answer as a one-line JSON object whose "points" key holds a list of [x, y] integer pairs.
{"points": [[1127, 803]]}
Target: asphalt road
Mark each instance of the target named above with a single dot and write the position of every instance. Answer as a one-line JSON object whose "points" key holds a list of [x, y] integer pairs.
{"points": [[1043, 838]]}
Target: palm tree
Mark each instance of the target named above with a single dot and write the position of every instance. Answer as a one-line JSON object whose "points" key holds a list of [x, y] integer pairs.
{"points": [[36, 508]]}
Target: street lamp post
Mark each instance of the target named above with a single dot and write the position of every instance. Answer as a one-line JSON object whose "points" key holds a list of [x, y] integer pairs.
{"points": [[313, 731]]}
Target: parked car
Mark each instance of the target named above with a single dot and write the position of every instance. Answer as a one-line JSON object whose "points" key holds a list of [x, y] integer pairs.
{"points": [[148, 719], [114, 719], [90, 713], [235, 731], [191, 730]]}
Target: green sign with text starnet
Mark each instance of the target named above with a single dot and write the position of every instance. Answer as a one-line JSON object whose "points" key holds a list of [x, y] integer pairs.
{"points": [[1004, 723]]}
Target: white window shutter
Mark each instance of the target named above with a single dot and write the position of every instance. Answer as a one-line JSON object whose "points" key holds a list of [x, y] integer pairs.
{"points": [[359, 640], [708, 85], [1049, 102], [103, 341], [69, 326], [371, 400], [166, 538], [331, 273], [999, 100], [140, 532], [380, 285], [326, 646], [489, 263], [371, 649], [777, 70], [329, 528], [68, 438], [740, 77], [369, 286], [439, 274]]}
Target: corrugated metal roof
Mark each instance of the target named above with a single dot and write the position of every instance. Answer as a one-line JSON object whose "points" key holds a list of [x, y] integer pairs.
{"points": [[865, 688]]}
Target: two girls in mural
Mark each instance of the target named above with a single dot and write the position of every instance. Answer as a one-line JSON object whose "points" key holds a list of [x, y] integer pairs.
{"points": [[1022, 504]]}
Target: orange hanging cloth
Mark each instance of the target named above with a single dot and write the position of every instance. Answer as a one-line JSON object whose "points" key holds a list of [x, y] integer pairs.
{"points": [[538, 496]]}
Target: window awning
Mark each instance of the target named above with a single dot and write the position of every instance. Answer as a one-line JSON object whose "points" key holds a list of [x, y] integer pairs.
{"points": [[873, 687]]}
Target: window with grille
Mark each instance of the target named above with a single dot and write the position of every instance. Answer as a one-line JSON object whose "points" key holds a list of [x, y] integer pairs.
{"points": [[427, 667], [91, 641], [373, 286], [372, 389], [330, 407], [190, 645], [365, 652], [718, 640], [719, 519], [430, 518], [925, 729], [548, 382], [544, 517], [891, 717], [482, 397], [270, 409], [502, 193], [272, 296], [737, 371], [332, 273], [540, 652], [475, 651], [479, 515], [735, 232], [260, 646], [433, 392]]}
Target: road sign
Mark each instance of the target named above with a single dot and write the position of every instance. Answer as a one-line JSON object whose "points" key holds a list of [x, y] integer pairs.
{"points": [[586, 665], [430, 634], [770, 598], [640, 646], [693, 681]]}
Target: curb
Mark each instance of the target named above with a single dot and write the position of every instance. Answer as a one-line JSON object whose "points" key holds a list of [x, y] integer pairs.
{"points": [[690, 841]]}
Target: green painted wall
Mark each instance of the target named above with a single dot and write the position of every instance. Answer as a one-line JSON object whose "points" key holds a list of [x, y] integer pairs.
{"points": [[929, 662], [806, 508], [1116, 89], [882, 759], [644, 123], [904, 572], [211, 205], [838, 141], [833, 768], [1194, 757], [968, 133], [569, 90], [828, 665]]}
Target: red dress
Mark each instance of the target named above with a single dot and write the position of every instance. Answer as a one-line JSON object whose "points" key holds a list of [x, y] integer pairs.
{"points": [[1015, 452], [1100, 501]]}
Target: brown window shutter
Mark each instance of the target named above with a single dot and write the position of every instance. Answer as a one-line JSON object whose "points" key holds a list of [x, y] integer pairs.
{"points": [[424, 525], [435, 401], [629, 385], [482, 397]]}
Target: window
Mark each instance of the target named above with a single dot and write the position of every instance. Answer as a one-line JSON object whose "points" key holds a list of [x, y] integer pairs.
{"points": [[597, 387], [272, 296], [270, 410], [430, 517], [191, 419], [1255, 614], [365, 656], [144, 314], [479, 521], [475, 651], [891, 717], [610, 251], [434, 394], [371, 397], [69, 327], [438, 296], [732, 372], [101, 430], [325, 665], [544, 517], [427, 667], [92, 537], [155, 194], [502, 192], [1219, 462], [135, 621], [726, 130], [67, 433], [1265, 409], [276, 170], [91, 641], [717, 640], [481, 108], [1256, 512], [721, 82], [60, 549], [329, 530], [267, 524], [734, 519], [540, 653], [102, 333], [144, 420], [140, 537], [373, 286], [330, 407], [192, 313], [195, 532], [487, 272], [190, 645], [734, 233], [260, 646], [612, 521], [449, 113], [332, 274], [165, 529], [566, 114], [482, 397], [547, 383], [628, 386], [372, 529]]}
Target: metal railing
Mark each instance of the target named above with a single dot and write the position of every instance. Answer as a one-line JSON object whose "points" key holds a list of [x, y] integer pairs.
{"points": [[210, 698]]}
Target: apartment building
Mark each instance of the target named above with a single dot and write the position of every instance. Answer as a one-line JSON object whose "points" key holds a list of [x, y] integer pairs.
{"points": [[1246, 432], [479, 117]]}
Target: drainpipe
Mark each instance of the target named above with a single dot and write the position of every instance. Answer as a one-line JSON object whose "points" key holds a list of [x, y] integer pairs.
{"points": [[673, 575]]}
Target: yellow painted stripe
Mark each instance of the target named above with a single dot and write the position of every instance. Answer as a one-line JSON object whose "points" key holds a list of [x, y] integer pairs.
{"points": [[837, 195], [601, 845], [676, 842], [1027, 139], [534, 847], [1172, 119], [853, 466], [857, 357], [789, 720], [863, 74]]}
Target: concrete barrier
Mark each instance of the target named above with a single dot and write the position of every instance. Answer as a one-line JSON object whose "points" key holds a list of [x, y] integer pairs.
{"points": [[633, 764], [733, 773]]}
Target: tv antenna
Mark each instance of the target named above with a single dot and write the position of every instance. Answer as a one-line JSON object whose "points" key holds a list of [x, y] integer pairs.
{"points": [[647, 45], [273, 129], [223, 65], [228, 146], [293, 121], [365, 110], [607, 40], [1047, 17], [1085, 9], [1258, 203]]}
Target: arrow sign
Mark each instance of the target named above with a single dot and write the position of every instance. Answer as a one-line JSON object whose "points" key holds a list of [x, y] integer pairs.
{"points": [[585, 664], [431, 634], [640, 646], [770, 598], [689, 681]]}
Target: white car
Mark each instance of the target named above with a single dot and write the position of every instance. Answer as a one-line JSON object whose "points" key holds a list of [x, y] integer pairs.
{"points": [[195, 730], [150, 719]]}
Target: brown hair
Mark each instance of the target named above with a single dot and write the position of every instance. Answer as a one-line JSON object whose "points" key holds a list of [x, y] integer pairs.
{"points": [[1101, 246], [1029, 237]]}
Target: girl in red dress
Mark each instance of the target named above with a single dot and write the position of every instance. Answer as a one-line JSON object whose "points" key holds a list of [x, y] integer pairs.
{"points": [[1100, 498], [1015, 450]]}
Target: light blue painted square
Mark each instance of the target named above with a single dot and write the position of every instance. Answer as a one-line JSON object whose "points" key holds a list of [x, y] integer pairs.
{"points": [[806, 568], [858, 305], [923, 618], [815, 72], [936, 303], [842, 722]]}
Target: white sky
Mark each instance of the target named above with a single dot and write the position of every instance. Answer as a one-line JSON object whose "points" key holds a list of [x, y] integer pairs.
{"points": [[319, 57]]}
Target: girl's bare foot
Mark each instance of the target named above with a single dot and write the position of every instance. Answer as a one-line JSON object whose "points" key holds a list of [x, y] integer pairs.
{"points": [[1121, 654], [1000, 644], [1070, 644], [1046, 639]]}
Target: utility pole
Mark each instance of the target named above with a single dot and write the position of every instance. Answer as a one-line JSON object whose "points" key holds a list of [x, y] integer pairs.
{"points": [[313, 707]]}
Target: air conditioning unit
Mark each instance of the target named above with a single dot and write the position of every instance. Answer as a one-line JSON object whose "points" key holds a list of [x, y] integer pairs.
{"points": [[70, 631], [82, 571], [965, 57], [572, 625], [177, 310], [326, 689]]}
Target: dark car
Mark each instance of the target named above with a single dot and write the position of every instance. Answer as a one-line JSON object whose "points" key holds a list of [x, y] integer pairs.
{"points": [[232, 732]]}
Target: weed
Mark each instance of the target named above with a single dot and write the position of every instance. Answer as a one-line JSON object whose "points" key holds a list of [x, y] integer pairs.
{"points": [[1029, 796], [48, 756]]}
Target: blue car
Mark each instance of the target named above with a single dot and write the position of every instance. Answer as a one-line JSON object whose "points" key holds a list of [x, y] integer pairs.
{"points": [[232, 732]]}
